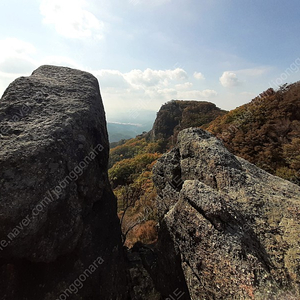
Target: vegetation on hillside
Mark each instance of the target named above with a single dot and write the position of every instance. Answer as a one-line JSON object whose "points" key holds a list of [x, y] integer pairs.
{"points": [[133, 147], [266, 131], [130, 175]]}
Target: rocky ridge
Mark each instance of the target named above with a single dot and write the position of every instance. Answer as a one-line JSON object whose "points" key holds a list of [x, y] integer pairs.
{"points": [[177, 115], [235, 226]]}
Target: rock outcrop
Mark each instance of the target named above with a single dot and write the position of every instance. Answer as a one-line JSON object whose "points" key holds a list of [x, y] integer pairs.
{"points": [[59, 232], [235, 227], [177, 115]]}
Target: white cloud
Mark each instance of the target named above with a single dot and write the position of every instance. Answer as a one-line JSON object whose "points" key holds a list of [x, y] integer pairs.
{"points": [[71, 19], [15, 56], [197, 94], [145, 78], [229, 79], [5, 80], [149, 77], [112, 79], [15, 47], [179, 74], [183, 86], [160, 95], [209, 93], [17, 65], [199, 76], [149, 81], [238, 77], [146, 89], [15, 60]]}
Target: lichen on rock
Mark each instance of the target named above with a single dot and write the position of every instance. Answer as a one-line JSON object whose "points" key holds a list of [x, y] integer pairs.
{"points": [[235, 226], [57, 210]]}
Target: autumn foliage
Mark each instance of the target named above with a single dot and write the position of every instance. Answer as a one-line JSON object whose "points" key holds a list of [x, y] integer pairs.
{"points": [[266, 131]]}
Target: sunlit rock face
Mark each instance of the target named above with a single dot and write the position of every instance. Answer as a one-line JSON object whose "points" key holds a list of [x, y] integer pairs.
{"points": [[235, 227]]}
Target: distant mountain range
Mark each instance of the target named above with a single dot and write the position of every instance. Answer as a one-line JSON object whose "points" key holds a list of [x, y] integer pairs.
{"points": [[123, 131]]}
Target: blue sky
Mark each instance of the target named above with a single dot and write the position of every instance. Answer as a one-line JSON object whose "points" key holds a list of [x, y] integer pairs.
{"points": [[145, 53]]}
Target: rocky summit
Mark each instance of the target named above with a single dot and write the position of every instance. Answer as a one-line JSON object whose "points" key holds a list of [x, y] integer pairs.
{"points": [[177, 115], [234, 227], [227, 229], [59, 231]]}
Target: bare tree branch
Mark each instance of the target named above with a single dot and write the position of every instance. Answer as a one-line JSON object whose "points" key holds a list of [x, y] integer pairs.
{"points": [[130, 196]]}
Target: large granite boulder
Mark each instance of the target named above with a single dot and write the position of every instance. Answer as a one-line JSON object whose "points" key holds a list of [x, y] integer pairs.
{"points": [[177, 115], [59, 231], [235, 226]]}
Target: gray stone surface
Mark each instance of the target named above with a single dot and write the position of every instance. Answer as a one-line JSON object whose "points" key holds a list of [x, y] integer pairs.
{"points": [[57, 210], [236, 227]]}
